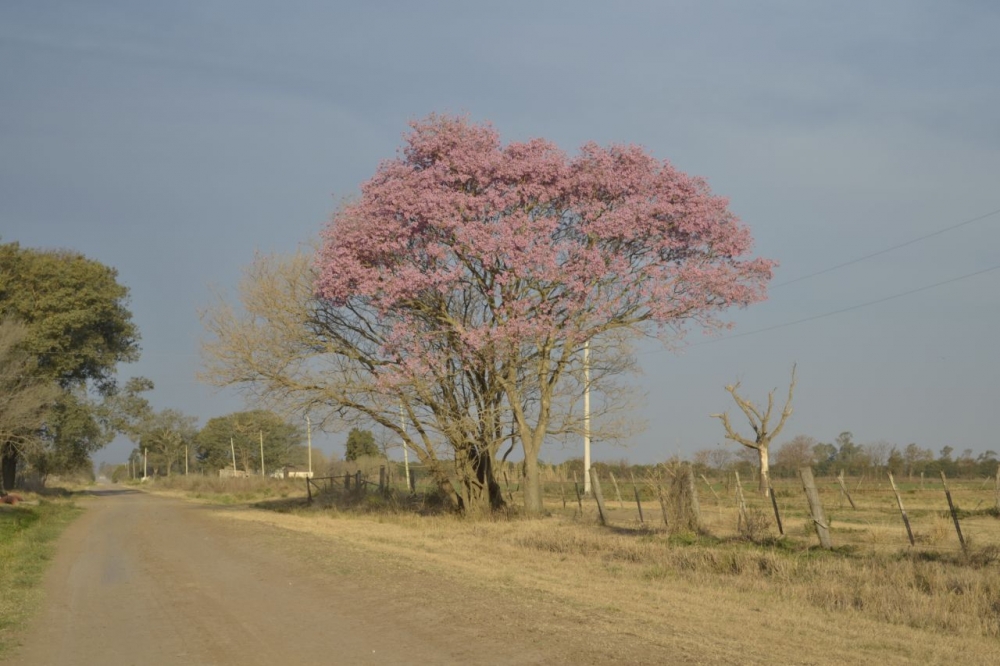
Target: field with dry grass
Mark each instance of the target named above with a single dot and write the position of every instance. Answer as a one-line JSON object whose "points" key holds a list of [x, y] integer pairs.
{"points": [[714, 595]]}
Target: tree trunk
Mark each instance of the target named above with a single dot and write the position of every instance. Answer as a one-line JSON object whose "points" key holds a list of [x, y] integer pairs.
{"points": [[482, 464], [8, 474], [532, 482], [481, 494], [440, 477], [765, 471]]}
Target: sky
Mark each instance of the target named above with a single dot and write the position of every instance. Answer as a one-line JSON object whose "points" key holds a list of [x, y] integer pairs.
{"points": [[174, 140]]}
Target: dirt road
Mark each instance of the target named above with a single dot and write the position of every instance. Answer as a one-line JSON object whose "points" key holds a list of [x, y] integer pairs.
{"points": [[147, 579], [142, 579]]}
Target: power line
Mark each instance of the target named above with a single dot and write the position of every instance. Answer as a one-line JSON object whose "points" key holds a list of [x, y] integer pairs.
{"points": [[848, 309], [886, 250]]}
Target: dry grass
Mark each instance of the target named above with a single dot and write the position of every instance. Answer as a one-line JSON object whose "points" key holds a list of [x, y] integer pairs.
{"points": [[218, 490], [914, 604], [698, 595]]}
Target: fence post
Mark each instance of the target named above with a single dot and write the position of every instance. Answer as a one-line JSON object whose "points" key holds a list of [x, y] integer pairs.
{"points": [[381, 478], [816, 508], [638, 504], [843, 489], [954, 513], [741, 503], [718, 500], [579, 499], [902, 511], [347, 480], [663, 504], [635, 491], [309, 492], [774, 505], [695, 504], [621, 504], [598, 495]]}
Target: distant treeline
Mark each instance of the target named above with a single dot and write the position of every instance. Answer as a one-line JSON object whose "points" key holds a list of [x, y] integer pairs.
{"points": [[843, 454]]}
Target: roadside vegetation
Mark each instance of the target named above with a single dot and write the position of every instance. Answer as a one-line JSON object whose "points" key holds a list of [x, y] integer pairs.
{"points": [[227, 491], [27, 540], [871, 573]]}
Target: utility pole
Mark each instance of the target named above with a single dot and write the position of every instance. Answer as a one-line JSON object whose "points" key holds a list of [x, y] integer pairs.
{"points": [[586, 417], [261, 432], [145, 462], [185, 460], [232, 449], [406, 455], [309, 436]]}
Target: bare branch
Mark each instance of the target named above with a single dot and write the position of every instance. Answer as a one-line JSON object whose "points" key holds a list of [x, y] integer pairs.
{"points": [[732, 434], [759, 422]]}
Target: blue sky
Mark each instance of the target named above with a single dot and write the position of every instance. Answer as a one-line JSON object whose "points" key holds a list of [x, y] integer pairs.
{"points": [[173, 140]]}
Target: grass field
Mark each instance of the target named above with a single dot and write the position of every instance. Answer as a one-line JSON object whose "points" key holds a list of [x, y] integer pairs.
{"points": [[27, 535], [931, 590], [874, 526]]}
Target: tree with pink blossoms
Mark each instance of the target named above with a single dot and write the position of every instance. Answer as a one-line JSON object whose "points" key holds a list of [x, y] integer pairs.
{"points": [[491, 265]]}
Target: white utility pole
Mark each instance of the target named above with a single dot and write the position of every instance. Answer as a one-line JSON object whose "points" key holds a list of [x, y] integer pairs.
{"points": [[145, 461], [309, 436], [406, 454], [261, 453], [232, 449], [586, 417], [185, 460]]}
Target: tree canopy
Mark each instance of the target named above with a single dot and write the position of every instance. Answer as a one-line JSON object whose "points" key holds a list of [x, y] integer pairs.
{"points": [[241, 433], [25, 396], [360, 443], [77, 329], [166, 437], [449, 303], [500, 262], [79, 324]]}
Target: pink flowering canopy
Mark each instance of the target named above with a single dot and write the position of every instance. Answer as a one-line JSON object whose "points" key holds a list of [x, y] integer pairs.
{"points": [[507, 246]]}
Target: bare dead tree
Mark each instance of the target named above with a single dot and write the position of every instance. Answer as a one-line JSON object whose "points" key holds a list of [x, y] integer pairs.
{"points": [[760, 420]]}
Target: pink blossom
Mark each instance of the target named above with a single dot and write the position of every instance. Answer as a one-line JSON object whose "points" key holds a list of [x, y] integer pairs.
{"points": [[507, 246]]}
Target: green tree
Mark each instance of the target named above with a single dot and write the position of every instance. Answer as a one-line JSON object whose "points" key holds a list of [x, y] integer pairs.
{"points": [[916, 458], [987, 463], [25, 397], [241, 433], [945, 462], [127, 410], [896, 462], [824, 455], [78, 329], [74, 429], [166, 435], [849, 454], [360, 443]]}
